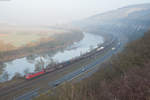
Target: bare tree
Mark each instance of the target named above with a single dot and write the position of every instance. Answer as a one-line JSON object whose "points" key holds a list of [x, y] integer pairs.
{"points": [[17, 75], [5, 76], [26, 71]]}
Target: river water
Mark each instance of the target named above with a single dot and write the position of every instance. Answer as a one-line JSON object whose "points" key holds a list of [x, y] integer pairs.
{"points": [[34, 63]]}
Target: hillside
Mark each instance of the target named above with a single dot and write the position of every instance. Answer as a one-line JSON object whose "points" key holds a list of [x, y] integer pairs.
{"points": [[124, 77], [130, 21]]}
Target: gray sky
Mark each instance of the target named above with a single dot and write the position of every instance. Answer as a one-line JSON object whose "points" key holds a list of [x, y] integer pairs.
{"points": [[47, 12]]}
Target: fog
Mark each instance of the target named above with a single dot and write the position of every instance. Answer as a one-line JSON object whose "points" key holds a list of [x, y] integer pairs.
{"points": [[53, 12]]}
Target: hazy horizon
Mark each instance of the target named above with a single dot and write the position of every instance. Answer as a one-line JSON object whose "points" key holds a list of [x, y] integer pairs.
{"points": [[52, 12]]}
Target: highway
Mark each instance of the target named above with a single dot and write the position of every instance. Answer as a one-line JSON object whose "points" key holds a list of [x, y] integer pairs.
{"points": [[74, 74], [33, 87]]}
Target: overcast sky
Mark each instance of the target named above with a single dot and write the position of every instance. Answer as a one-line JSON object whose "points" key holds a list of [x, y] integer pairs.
{"points": [[47, 12]]}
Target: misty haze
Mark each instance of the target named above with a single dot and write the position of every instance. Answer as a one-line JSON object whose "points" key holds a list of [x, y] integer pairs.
{"points": [[74, 49]]}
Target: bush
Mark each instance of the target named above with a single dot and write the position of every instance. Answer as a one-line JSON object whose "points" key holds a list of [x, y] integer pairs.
{"points": [[125, 76]]}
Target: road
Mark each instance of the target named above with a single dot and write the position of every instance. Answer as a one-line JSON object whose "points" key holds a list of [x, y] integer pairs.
{"points": [[74, 74], [52, 84]]}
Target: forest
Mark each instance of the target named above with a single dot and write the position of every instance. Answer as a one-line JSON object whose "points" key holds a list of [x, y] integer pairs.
{"points": [[123, 77]]}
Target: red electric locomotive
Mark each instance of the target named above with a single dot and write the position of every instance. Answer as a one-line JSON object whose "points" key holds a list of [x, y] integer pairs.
{"points": [[30, 76], [44, 71]]}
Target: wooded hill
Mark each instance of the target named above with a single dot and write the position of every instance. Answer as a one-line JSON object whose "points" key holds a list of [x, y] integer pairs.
{"points": [[125, 76]]}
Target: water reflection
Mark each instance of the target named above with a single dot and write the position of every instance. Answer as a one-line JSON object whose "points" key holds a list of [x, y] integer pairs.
{"points": [[34, 63], [31, 58]]}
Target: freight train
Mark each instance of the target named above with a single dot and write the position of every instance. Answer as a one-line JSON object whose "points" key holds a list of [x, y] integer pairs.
{"points": [[45, 71], [64, 64]]}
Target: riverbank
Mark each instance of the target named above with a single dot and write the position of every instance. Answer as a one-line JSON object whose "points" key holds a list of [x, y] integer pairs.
{"points": [[54, 46], [124, 77], [52, 76], [36, 63]]}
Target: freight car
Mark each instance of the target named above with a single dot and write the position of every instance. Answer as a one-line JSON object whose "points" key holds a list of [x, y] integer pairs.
{"points": [[67, 63], [48, 70], [45, 71]]}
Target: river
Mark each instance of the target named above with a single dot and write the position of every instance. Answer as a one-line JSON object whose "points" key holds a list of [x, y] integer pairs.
{"points": [[34, 63]]}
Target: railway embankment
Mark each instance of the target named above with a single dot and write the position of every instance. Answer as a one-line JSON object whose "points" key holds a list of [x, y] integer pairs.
{"points": [[124, 77]]}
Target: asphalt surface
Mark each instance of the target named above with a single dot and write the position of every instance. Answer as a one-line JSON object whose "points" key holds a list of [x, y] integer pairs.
{"points": [[28, 96], [74, 74]]}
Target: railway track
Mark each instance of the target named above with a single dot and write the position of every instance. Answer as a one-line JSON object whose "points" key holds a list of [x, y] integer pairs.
{"points": [[24, 84]]}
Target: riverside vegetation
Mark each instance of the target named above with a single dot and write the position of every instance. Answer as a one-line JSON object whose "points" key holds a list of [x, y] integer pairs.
{"points": [[36, 43], [126, 76]]}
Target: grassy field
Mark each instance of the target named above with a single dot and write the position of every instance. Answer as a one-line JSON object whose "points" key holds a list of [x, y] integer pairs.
{"points": [[43, 85], [21, 36], [21, 42]]}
